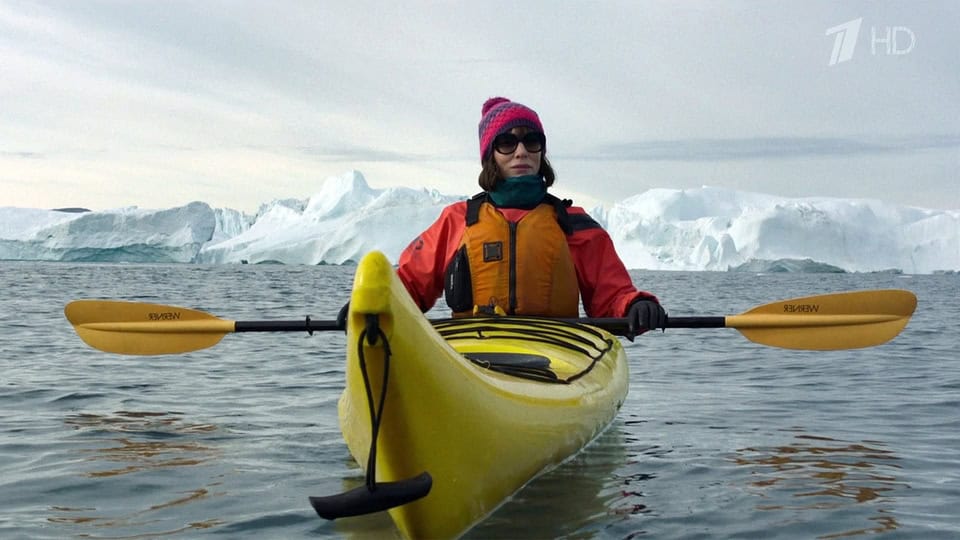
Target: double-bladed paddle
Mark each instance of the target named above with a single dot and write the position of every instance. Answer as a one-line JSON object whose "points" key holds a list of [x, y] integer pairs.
{"points": [[845, 320]]}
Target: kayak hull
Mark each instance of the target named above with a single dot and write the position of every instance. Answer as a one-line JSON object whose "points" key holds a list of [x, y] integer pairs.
{"points": [[480, 433]]}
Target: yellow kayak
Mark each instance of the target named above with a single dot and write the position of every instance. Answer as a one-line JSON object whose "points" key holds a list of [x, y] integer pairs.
{"points": [[464, 412]]}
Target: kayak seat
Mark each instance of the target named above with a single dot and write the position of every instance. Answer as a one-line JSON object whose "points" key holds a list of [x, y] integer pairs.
{"points": [[523, 365], [511, 359]]}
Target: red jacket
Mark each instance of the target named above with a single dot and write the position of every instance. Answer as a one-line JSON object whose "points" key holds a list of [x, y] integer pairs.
{"points": [[606, 289]]}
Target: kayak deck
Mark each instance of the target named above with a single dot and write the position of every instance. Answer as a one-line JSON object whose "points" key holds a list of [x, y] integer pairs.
{"points": [[537, 347]]}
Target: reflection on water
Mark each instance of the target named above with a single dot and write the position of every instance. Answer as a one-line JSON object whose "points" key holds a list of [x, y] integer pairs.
{"points": [[141, 456], [137, 422], [822, 474], [628, 484], [162, 451], [627, 499], [139, 519], [570, 499], [150, 443]]}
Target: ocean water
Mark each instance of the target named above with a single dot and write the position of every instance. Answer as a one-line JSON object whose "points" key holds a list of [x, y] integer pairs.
{"points": [[719, 437]]}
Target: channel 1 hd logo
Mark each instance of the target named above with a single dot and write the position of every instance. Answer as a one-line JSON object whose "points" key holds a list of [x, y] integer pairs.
{"points": [[885, 40]]}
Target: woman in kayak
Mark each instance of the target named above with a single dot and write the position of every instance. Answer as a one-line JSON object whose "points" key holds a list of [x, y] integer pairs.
{"points": [[516, 249]]}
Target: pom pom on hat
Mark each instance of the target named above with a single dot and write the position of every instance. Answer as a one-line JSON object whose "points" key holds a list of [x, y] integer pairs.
{"points": [[499, 115], [491, 103]]}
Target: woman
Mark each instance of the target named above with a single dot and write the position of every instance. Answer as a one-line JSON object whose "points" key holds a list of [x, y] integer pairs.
{"points": [[514, 248]]}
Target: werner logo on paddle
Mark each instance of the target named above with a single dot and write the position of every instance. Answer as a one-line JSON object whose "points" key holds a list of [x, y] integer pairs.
{"points": [[801, 308], [164, 316]]}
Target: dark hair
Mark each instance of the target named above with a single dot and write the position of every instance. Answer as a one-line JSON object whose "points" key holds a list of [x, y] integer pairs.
{"points": [[490, 174]]}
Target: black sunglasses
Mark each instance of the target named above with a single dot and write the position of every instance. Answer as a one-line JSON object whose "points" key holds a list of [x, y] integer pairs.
{"points": [[507, 143]]}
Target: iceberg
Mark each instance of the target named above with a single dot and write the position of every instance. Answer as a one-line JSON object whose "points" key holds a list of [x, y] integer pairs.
{"points": [[120, 235], [337, 225], [708, 228], [719, 229], [806, 266]]}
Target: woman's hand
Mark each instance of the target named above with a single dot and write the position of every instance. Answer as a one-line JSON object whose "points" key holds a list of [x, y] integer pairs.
{"points": [[644, 315]]}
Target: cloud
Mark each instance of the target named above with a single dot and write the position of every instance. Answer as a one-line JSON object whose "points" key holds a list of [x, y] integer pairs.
{"points": [[21, 155], [357, 154], [752, 148]]}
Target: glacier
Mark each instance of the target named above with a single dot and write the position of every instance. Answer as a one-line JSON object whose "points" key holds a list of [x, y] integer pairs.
{"points": [[707, 228]]}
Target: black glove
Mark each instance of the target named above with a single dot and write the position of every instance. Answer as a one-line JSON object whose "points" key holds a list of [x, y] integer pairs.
{"points": [[342, 316], [644, 315]]}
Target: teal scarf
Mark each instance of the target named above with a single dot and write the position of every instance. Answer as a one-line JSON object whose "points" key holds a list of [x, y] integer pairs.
{"points": [[519, 192]]}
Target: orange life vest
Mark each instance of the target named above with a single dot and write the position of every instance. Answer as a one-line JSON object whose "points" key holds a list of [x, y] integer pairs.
{"points": [[522, 268]]}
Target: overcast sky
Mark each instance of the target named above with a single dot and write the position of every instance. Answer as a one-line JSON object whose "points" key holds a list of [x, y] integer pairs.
{"points": [[159, 103]]}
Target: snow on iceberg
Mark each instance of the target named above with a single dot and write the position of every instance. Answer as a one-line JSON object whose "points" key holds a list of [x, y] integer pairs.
{"points": [[121, 235], [717, 229], [339, 224], [666, 229]]}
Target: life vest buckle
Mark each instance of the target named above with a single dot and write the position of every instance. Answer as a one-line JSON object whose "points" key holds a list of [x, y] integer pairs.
{"points": [[489, 310]]}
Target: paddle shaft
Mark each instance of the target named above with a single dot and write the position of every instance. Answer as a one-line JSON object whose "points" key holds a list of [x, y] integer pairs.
{"points": [[751, 321], [306, 325], [696, 322], [609, 323]]}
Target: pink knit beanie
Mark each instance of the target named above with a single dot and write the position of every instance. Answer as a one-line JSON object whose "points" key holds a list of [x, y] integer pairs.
{"points": [[499, 115]]}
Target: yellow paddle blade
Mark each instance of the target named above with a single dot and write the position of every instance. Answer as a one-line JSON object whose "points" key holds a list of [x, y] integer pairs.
{"points": [[848, 320], [140, 328]]}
